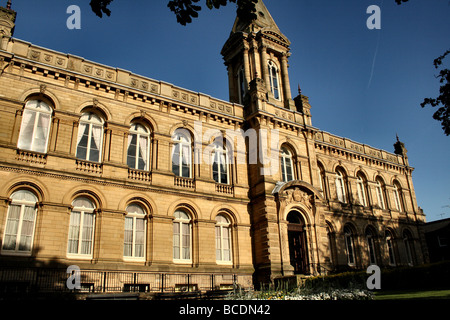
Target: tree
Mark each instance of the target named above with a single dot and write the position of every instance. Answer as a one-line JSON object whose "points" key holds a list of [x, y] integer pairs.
{"points": [[185, 10], [443, 100]]}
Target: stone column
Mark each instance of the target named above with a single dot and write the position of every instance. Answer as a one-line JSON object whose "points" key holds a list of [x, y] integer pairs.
{"points": [[285, 77]]}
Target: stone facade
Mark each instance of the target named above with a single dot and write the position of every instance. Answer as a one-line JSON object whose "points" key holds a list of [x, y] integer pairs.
{"points": [[342, 204]]}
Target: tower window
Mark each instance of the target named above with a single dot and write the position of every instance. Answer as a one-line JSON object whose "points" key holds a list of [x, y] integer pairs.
{"points": [[286, 165], [274, 80]]}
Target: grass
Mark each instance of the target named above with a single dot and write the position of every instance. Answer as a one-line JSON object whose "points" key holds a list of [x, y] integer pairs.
{"points": [[410, 294]]}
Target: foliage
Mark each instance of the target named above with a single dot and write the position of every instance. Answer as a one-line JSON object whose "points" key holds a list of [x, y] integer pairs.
{"points": [[101, 6], [427, 276], [185, 10], [443, 112]]}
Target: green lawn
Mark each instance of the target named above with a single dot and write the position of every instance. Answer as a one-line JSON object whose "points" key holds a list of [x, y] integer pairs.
{"points": [[429, 294]]}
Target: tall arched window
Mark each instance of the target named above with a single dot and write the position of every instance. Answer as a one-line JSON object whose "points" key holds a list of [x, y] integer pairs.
{"points": [[20, 223], [242, 84], [398, 196], [182, 237], [380, 193], [322, 180], [390, 248], [223, 239], [35, 127], [287, 172], [349, 245], [220, 164], [138, 152], [90, 137], [274, 80], [81, 228], [340, 187], [407, 241], [182, 154], [361, 189], [370, 237], [135, 232]]}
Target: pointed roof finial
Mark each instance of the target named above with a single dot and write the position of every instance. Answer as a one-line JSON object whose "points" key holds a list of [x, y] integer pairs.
{"points": [[8, 5], [299, 89]]}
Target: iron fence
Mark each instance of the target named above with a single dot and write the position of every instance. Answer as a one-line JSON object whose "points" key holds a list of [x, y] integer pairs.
{"points": [[40, 280]]}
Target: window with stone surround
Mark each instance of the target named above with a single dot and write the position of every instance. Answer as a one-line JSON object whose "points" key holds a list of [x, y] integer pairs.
{"points": [[135, 233], [223, 240], [287, 167], [20, 223], [182, 154], [81, 229], [361, 188], [220, 163], [90, 137], [182, 237], [138, 151], [340, 186], [35, 126], [274, 80]]}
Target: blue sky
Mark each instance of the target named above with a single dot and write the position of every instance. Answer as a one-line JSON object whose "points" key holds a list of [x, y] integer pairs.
{"points": [[365, 85]]}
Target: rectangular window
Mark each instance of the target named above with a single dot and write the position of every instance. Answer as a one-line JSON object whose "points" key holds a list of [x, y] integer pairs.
{"points": [[19, 229], [81, 233]]}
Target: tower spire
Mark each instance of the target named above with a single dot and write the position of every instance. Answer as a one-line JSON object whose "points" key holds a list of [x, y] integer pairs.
{"points": [[8, 5]]}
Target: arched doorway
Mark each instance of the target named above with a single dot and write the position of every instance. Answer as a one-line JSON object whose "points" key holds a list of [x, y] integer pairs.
{"points": [[298, 247]]}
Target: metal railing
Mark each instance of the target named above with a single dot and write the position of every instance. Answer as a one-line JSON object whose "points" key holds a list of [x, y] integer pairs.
{"points": [[40, 280]]}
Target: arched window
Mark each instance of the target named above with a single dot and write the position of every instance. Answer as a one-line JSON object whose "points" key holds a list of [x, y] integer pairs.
{"points": [[390, 248], [135, 235], [407, 240], [182, 237], [340, 187], [138, 147], [81, 228], [274, 80], [370, 237], [220, 164], [380, 193], [398, 196], [361, 189], [322, 181], [287, 167], [20, 223], [182, 154], [35, 127], [242, 85], [223, 239], [90, 137], [349, 246]]}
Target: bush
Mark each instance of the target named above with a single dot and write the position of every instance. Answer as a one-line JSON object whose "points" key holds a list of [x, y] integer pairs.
{"points": [[429, 276]]}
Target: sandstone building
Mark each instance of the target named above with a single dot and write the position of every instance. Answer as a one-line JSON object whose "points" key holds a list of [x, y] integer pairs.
{"points": [[99, 169]]}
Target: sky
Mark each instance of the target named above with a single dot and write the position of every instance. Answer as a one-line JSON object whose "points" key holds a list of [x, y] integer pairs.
{"points": [[363, 84]]}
